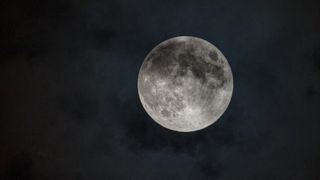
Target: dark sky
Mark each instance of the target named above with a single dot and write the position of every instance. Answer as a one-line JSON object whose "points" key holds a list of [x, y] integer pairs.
{"points": [[70, 108]]}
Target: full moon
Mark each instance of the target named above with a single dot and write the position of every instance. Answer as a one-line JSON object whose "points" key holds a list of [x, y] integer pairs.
{"points": [[185, 84]]}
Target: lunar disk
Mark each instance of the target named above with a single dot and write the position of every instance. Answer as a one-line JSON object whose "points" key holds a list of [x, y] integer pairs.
{"points": [[185, 84]]}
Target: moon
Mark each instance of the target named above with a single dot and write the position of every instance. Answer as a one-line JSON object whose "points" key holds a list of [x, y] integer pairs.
{"points": [[185, 84]]}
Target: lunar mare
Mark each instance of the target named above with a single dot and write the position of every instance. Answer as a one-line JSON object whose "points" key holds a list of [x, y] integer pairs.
{"points": [[185, 84]]}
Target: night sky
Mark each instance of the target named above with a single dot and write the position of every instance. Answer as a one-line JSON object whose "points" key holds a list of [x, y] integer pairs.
{"points": [[69, 107]]}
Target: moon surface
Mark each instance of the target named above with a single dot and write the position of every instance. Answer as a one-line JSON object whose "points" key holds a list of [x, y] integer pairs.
{"points": [[185, 84]]}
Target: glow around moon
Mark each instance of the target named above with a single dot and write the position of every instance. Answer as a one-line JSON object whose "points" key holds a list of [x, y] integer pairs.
{"points": [[185, 84]]}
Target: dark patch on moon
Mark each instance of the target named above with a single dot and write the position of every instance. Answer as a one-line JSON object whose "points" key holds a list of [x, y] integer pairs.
{"points": [[213, 56]]}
